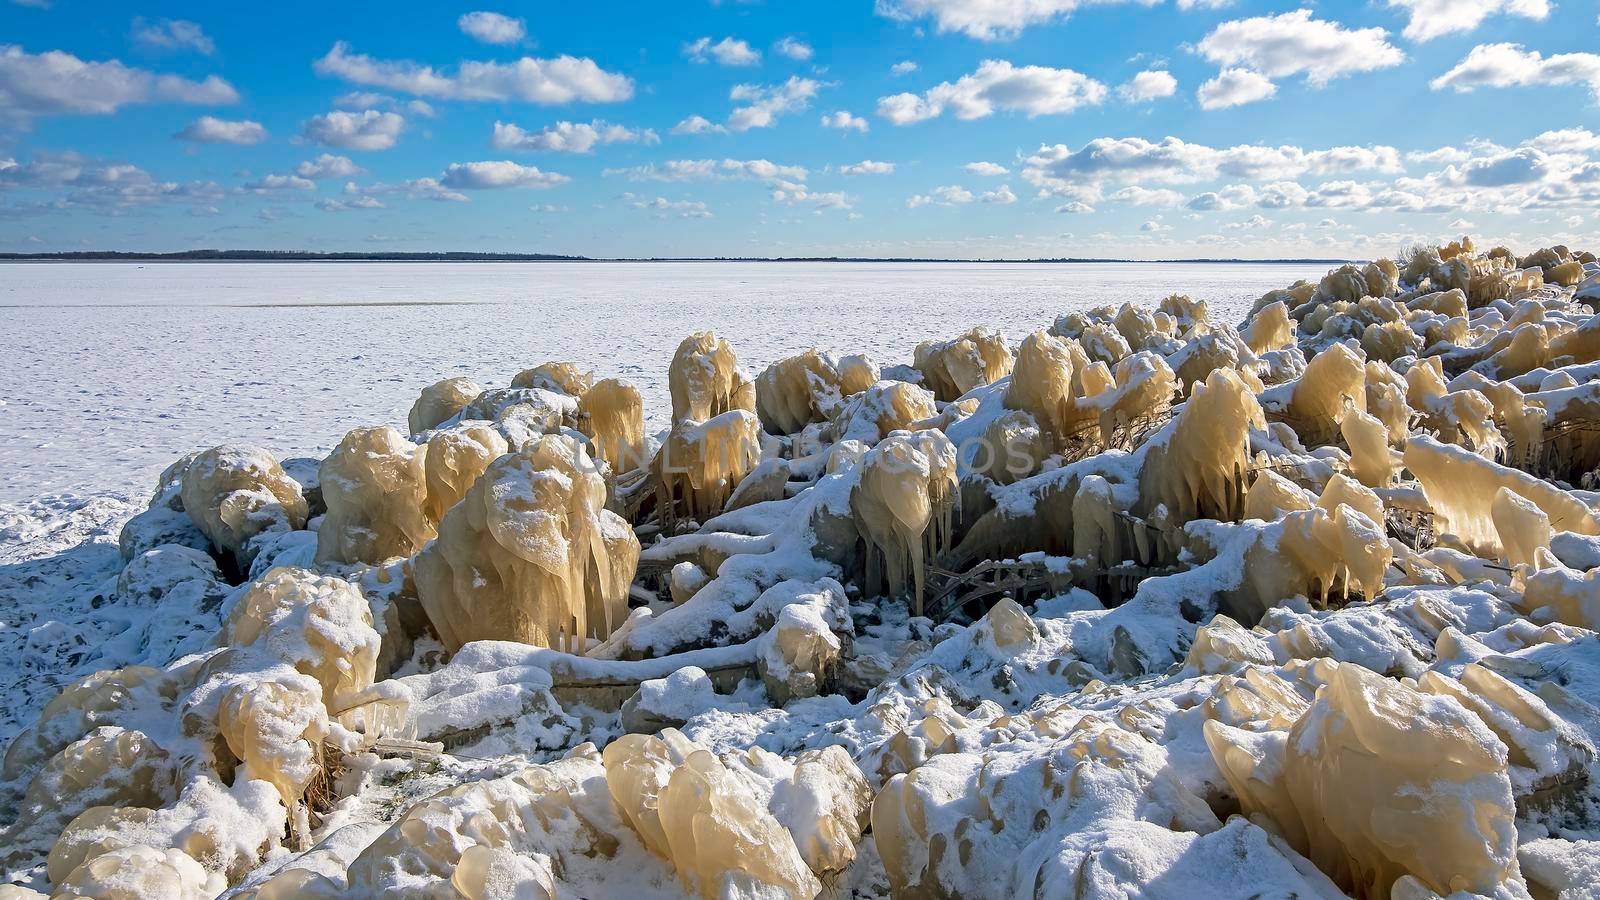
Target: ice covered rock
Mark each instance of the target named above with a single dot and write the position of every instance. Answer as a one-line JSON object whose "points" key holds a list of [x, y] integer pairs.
{"points": [[530, 553], [234, 493], [440, 402], [375, 488], [903, 506]]}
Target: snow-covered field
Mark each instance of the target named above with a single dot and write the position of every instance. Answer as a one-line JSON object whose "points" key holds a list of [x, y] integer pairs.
{"points": [[112, 370], [1304, 609]]}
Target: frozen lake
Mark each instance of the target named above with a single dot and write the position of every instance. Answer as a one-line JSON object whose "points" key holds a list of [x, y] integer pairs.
{"points": [[108, 371]]}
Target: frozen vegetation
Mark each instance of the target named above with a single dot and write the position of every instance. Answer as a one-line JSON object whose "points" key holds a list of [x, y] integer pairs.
{"points": [[1298, 600]]}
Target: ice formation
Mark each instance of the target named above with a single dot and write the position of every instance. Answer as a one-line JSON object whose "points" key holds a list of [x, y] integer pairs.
{"points": [[1157, 605], [530, 553], [233, 494], [375, 489]]}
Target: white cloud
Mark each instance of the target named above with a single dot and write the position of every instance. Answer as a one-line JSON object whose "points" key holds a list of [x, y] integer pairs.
{"points": [[172, 34], [569, 137], [793, 48], [415, 189], [562, 79], [697, 125], [1235, 87], [496, 174], [1566, 140], [985, 168], [1076, 207], [272, 183], [986, 20], [1151, 84], [798, 194], [1001, 195], [1155, 226], [765, 103], [903, 67], [1435, 18], [328, 166], [845, 121], [997, 85], [359, 202], [212, 130], [1508, 65], [1521, 166], [366, 130], [100, 185], [867, 167], [710, 169], [728, 52], [1294, 43], [1139, 196], [661, 207], [492, 27], [944, 195], [1063, 171], [55, 83]]}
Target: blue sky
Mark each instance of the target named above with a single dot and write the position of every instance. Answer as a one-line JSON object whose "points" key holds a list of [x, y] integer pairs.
{"points": [[1014, 128]]}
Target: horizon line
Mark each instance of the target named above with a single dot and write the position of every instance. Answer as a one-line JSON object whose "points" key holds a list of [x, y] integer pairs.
{"points": [[243, 255]]}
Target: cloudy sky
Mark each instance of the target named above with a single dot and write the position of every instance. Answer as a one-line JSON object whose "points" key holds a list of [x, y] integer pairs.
{"points": [[1017, 128]]}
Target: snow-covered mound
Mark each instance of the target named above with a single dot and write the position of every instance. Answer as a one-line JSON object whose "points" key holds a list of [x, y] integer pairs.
{"points": [[1145, 604]]}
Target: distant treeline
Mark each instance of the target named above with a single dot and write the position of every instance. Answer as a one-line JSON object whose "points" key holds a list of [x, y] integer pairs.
{"points": [[291, 256], [311, 256]]}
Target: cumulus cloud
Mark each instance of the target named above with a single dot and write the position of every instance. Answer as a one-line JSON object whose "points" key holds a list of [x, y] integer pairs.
{"points": [[728, 52], [562, 79], [1520, 166], [793, 48], [697, 125], [799, 194], [661, 207], [763, 104], [269, 184], [903, 67], [95, 184], [1508, 65], [212, 130], [985, 20], [497, 174], [1293, 43], [1001, 194], [709, 170], [172, 34], [569, 137], [1235, 87], [956, 195], [359, 202], [867, 167], [845, 121], [985, 168], [492, 27], [1060, 170], [55, 83], [1434, 18], [997, 85], [1138, 196], [414, 189], [366, 130], [329, 166], [1151, 84]]}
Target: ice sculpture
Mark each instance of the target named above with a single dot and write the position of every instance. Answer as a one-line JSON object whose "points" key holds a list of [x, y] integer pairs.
{"points": [[453, 459], [235, 493], [903, 507], [375, 488], [705, 379], [530, 553], [441, 401], [951, 368], [611, 414]]}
